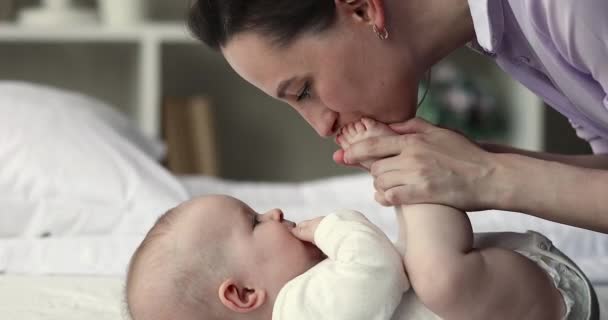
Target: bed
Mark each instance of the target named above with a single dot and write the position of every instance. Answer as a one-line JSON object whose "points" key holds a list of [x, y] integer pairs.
{"points": [[79, 187]]}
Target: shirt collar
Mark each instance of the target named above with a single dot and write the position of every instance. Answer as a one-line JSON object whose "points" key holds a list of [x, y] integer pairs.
{"points": [[488, 21]]}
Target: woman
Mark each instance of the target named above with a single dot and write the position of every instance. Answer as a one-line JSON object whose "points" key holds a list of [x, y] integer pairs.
{"points": [[335, 61]]}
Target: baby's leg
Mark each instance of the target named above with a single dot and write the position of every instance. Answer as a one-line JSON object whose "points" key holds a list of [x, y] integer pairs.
{"points": [[459, 282], [359, 131]]}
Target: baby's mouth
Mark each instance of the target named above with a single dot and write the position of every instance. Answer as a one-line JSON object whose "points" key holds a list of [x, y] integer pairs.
{"points": [[290, 224]]}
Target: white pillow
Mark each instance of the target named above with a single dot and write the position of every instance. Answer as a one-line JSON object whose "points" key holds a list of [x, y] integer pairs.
{"points": [[70, 168], [67, 101]]}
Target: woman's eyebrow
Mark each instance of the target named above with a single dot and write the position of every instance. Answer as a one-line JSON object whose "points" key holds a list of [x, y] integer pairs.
{"points": [[283, 86]]}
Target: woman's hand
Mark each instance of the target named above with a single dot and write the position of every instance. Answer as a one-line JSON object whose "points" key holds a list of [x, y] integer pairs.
{"points": [[427, 164]]}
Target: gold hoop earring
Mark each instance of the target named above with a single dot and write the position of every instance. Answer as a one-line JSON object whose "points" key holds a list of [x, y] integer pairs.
{"points": [[382, 34]]}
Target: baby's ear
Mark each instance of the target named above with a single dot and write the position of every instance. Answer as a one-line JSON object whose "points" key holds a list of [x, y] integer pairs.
{"points": [[239, 298]]}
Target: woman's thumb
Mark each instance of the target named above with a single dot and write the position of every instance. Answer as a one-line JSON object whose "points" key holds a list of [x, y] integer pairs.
{"points": [[415, 125], [338, 156]]}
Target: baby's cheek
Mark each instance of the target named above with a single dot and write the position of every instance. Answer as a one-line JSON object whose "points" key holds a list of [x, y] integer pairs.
{"points": [[282, 239]]}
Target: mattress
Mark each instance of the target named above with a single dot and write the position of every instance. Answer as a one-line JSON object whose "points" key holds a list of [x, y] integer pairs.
{"points": [[98, 298], [81, 277], [60, 298]]}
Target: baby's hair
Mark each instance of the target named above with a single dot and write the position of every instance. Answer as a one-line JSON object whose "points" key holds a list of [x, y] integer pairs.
{"points": [[190, 273], [161, 227]]}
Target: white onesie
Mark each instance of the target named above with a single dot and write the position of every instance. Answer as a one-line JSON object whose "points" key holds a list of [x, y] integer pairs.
{"points": [[362, 279]]}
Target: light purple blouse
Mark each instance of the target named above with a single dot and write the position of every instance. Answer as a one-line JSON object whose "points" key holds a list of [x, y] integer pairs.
{"points": [[556, 48]]}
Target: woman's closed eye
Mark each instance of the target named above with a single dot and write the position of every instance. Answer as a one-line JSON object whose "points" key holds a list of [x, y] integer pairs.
{"points": [[304, 93]]}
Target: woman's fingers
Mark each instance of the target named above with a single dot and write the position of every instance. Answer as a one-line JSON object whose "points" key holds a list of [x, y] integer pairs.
{"points": [[339, 159], [338, 156], [386, 165], [399, 187], [381, 199], [440, 167], [373, 149], [390, 180], [415, 125], [403, 194]]}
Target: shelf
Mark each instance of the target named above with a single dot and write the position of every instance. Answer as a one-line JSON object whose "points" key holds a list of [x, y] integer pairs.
{"points": [[164, 32], [144, 71]]}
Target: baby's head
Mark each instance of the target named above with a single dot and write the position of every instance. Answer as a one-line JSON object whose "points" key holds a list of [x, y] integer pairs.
{"points": [[214, 257]]}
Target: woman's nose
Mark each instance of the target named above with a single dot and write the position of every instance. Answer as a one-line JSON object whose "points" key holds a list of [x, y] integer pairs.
{"points": [[324, 129], [323, 120]]}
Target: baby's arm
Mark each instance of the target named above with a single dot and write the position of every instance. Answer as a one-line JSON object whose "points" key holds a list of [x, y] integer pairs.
{"points": [[363, 277], [457, 281]]}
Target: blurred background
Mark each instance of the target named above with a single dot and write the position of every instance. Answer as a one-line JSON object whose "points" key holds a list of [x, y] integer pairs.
{"points": [[137, 56]]}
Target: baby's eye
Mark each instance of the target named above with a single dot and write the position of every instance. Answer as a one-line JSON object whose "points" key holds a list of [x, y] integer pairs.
{"points": [[304, 93]]}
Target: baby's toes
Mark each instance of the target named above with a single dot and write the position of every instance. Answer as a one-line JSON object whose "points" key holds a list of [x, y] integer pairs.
{"points": [[360, 128], [341, 141], [368, 123], [352, 131]]}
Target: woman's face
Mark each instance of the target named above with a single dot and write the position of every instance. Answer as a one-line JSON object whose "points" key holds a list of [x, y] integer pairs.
{"points": [[332, 78]]}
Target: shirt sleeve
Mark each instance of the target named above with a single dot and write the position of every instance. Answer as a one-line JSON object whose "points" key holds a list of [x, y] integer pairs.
{"points": [[579, 30], [362, 279], [598, 144]]}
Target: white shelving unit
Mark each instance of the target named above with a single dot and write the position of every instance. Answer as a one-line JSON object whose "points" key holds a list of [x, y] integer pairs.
{"points": [[144, 45], [135, 68]]}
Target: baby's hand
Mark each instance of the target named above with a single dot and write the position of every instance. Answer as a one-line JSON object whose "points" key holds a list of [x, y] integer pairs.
{"points": [[305, 230]]}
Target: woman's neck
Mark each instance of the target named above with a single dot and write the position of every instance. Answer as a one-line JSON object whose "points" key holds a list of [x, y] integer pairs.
{"points": [[431, 29]]}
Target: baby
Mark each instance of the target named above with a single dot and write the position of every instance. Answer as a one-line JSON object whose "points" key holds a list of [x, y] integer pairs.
{"points": [[216, 258]]}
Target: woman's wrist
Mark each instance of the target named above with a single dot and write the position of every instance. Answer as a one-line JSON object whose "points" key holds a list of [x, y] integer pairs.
{"points": [[517, 182], [550, 190]]}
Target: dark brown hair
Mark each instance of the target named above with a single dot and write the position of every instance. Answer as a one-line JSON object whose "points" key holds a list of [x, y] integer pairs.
{"points": [[215, 22]]}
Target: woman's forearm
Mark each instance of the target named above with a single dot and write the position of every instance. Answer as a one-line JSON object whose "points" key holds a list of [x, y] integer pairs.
{"points": [[552, 190], [586, 161]]}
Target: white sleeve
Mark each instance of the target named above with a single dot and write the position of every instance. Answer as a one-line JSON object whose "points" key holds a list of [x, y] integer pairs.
{"points": [[579, 30], [362, 279]]}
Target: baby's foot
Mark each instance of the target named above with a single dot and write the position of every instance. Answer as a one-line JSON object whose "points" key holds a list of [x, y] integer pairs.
{"points": [[361, 130]]}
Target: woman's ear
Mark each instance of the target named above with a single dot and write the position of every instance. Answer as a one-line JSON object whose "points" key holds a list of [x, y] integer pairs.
{"points": [[368, 11], [239, 298]]}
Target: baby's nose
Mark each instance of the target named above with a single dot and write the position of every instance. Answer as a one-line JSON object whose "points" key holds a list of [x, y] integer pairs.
{"points": [[276, 214]]}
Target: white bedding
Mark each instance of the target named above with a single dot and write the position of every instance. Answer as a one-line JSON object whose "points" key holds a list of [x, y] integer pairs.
{"points": [[109, 254], [98, 298], [28, 291], [60, 298]]}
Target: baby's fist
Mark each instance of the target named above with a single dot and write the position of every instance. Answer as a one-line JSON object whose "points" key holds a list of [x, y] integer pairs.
{"points": [[305, 230]]}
